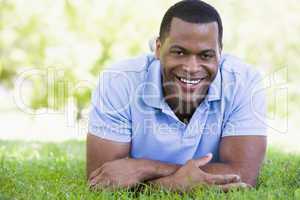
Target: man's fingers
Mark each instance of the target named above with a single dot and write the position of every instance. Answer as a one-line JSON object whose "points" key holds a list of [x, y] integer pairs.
{"points": [[95, 173], [203, 160], [96, 180], [222, 179], [231, 186], [100, 185]]}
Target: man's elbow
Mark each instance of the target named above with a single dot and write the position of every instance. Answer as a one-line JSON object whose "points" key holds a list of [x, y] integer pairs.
{"points": [[88, 172], [90, 169], [250, 181], [250, 177]]}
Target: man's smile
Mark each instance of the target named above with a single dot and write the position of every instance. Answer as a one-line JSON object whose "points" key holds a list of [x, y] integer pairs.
{"points": [[190, 84], [191, 81]]}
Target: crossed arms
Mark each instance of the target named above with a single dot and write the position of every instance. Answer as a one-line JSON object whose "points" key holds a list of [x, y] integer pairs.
{"points": [[109, 166]]}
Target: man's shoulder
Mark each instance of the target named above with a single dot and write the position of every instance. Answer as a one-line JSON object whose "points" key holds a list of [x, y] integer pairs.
{"points": [[236, 70], [125, 76], [239, 79], [138, 64]]}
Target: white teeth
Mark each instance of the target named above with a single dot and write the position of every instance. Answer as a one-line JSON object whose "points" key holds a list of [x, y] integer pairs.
{"points": [[190, 81]]}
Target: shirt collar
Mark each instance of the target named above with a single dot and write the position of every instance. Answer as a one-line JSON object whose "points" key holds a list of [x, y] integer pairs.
{"points": [[153, 92], [214, 90]]}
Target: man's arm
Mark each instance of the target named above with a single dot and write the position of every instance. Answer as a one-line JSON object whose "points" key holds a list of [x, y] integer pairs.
{"points": [[108, 160], [108, 165], [100, 151], [242, 155]]}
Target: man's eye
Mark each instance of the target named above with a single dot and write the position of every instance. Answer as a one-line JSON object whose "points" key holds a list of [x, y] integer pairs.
{"points": [[177, 53], [206, 56]]}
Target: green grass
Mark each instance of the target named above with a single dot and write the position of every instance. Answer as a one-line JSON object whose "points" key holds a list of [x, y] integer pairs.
{"points": [[33, 170]]}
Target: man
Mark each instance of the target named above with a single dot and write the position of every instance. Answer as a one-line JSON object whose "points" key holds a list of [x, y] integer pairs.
{"points": [[186, 116]]}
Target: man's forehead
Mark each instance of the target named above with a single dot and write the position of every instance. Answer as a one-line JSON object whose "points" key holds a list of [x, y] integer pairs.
{"points": [[193, 35], [179, 26]]}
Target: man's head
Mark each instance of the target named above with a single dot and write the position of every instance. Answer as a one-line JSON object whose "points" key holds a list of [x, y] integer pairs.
{"points": [[193, 11], [189, 48]]}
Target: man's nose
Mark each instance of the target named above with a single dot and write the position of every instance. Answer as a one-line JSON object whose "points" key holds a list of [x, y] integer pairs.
{"points": [[192, 64]]}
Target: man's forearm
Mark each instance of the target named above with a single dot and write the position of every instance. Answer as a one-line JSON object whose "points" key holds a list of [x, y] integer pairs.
{"points": [[247, 175], [151, 169], [245, 171]]}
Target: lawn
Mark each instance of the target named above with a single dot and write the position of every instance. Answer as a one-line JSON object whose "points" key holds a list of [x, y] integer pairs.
{"points": [[34, 170]]}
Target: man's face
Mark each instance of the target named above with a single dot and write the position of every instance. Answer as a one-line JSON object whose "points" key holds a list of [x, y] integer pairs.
{"points": [[189, 56]]}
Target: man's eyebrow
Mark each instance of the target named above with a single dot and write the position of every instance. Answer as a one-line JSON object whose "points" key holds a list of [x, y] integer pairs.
{"points": [[178, 47], [186, 50], [208, 51]]}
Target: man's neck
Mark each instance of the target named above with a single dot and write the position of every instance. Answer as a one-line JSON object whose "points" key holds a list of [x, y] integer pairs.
{"points": [[182, 110], [184, 118]]}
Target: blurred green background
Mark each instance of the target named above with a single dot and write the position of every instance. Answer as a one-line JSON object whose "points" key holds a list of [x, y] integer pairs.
{"points": [[59, 47]]}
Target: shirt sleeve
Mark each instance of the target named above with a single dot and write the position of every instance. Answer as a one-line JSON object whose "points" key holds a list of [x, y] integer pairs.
{"points": [[248, 115], [109, 116]]}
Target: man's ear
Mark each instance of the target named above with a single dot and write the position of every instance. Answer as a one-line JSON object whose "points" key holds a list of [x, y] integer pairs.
{"points": [[157, 48], [220, 51]]}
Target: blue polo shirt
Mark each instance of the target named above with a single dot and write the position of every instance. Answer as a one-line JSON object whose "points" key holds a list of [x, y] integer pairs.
{"points": [[128, 106]]}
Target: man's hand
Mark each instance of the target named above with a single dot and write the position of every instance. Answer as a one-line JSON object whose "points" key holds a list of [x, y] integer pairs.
{"points": [[121, 173], [190, 175]]}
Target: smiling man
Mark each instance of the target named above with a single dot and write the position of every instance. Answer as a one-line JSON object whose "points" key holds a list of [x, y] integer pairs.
{"points": [[187, 116]]}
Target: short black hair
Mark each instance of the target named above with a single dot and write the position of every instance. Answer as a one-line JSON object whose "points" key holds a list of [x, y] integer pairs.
{"points": [[193, 11]]}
